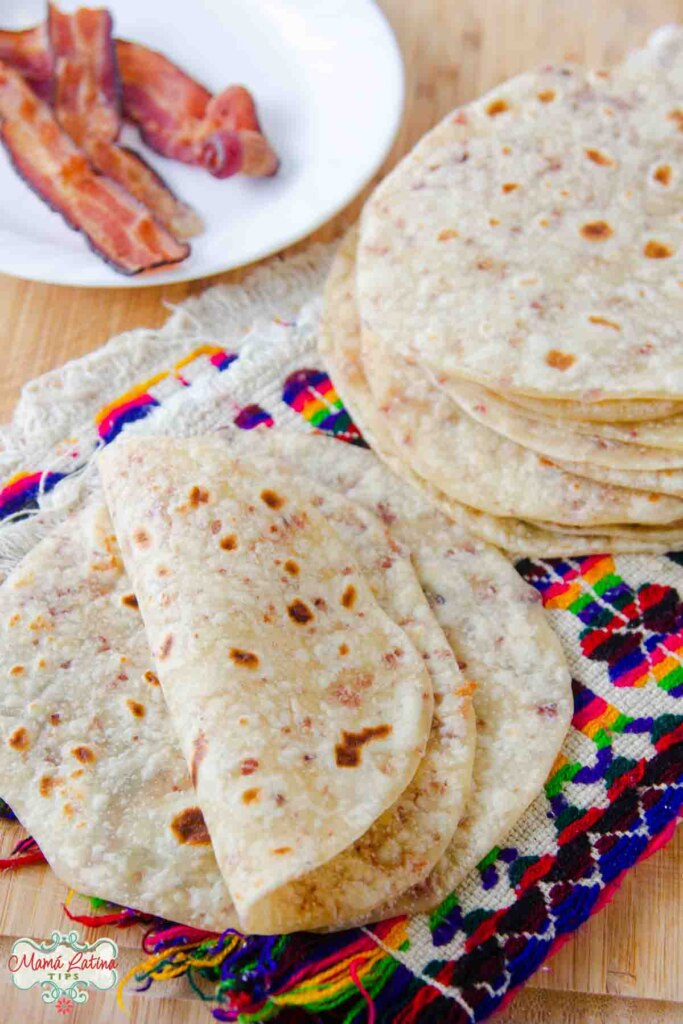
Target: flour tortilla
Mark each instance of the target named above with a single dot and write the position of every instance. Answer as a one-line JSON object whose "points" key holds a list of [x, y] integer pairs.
{"points": [[89, 761], [495, 624], [401, 848], [478, 467], [586, 414], [559, 441], [260, 622], [665, 433], [666, 481], [485, 470], [340, 347], [533, 241]]}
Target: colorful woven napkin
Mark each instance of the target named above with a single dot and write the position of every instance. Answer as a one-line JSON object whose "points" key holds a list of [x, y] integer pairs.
{"points": [[245, 356]]}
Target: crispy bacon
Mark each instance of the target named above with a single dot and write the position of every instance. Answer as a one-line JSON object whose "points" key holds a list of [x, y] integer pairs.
{"points": [[142, 181], [116, 226], [87, 104], [28, 52], [86, 94], [180, 119]]}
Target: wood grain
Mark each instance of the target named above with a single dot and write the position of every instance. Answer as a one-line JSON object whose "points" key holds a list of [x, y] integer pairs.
{"points": [[626, 965]]}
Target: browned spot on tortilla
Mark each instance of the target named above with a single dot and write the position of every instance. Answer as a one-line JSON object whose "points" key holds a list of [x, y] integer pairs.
{"points": [[68, 811], [447, 234], [136, 708], [248, 766], [497, 107], [494, 222], [545, 462], [299, 612], [151, 678], [42, 663], [130, 600], [17, 670], [14, 619], [596, 231], [251, 795], [654, 497], [510, 186], [599, 158], [467, 689], [141, 537], [189, 828], [280, 799], [348, 598], [348, 752], [677, 117], [291, 567], [657, 250], [40, 622], [245, 658], [163, 571], [343, 649], [279, 850], [19, 739], [272, 499], [198, 496], [55, 718], [604, 322], [46, 785], [199, 749], [546, 95], [84, 754], [662, 174], [77, 774], [166, 645], [559, 360], [216, 526], [229, 542], [392, 657], [547, 710]]}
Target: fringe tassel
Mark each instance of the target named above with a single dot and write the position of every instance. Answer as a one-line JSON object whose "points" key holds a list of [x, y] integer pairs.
{"points": [[257, 978], [122, 918], [24, 853]]}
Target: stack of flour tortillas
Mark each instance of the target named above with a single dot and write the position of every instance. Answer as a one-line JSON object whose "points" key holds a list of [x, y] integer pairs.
{"points": [[506, 325], [269, 686]]}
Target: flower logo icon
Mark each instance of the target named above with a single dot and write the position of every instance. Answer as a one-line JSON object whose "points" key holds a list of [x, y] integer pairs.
{"points": [[64, 1005]]}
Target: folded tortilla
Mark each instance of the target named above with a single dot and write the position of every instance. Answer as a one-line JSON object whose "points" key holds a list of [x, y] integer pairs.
{"points": [[303, 710], [493, 621]]}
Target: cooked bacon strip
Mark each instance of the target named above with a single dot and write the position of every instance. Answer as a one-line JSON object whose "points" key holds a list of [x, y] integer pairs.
{"points": [[180, 119], [142, 181], [87, 104], [86, 96], [116, 226], [28, 52]]}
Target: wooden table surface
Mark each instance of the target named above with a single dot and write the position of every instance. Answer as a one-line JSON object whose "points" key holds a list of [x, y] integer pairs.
{"points": [[626, 965]]}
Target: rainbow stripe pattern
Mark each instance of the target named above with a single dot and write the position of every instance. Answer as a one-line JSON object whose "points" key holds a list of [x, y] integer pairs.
{"points": [[311, 394], [21, 491], [140, 400]]}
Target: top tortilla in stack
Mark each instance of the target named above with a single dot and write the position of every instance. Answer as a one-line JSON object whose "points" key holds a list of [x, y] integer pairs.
{"points": [[532, 242]]}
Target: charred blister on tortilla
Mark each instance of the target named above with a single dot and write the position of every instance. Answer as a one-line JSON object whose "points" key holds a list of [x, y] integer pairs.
{"points": [[348, 753], [189, 827], [19, 739]]}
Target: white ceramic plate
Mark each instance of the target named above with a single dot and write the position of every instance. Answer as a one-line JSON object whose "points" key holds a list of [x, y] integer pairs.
{"points": [[328, 80]]}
